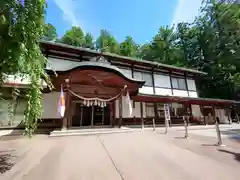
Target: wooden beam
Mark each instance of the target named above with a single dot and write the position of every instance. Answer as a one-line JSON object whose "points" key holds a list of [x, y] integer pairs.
{"points": [[102, 116], [229, 116], [185, 79], [81, 118], [141, 111], [153, 81], [171, 82], [214, 114], [92, 117], [120, 112]]}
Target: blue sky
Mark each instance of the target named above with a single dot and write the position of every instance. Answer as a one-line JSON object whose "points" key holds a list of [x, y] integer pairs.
{"points": [[140, 19]]}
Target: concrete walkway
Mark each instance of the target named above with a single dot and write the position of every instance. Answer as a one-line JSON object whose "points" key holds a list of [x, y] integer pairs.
{"points": [[137, 155]]}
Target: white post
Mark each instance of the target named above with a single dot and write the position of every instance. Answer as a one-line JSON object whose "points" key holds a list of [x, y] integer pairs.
{"points": [[166, 126], [186, 127], [153, 124], [167, 117], [219, 138]]}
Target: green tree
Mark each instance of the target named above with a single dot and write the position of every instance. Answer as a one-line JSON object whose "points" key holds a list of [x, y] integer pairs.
{"points": [[106, 42], [21, 27], [88, 41], [128, 47], [74, 37], [49, 32], [162, 48]]}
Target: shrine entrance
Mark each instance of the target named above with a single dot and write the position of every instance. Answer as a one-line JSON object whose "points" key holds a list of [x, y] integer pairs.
{"points": [[90, 115], [92, 88]]}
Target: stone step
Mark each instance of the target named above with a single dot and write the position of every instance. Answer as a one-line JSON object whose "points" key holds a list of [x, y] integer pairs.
{"points": [[76, 132]]}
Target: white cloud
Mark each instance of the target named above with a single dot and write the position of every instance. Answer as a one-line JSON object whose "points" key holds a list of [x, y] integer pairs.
{"points": [[69, 9], [186, 11]]}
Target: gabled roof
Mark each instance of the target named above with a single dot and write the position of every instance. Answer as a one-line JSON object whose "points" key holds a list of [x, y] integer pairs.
{"points": [[132, 61], [107, 67]]}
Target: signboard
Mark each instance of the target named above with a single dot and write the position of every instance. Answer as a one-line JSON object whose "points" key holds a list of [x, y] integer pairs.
{"points": [[167, 112]]}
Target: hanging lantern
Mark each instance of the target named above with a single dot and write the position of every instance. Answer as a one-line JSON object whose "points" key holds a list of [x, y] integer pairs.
{"points": [[99, 103], [84, 102], [91, 103], [95, 103], [88, 103], [104, 104]]}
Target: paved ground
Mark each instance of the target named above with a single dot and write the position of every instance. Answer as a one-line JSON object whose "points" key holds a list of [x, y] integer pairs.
{"points": [[138, 155]]}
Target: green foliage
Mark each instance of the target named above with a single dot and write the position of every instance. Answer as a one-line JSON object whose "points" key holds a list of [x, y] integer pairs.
{"points": [[74, 37], [21, 27], [107, 43], [88, 41], [49, 32], [128, 47]]}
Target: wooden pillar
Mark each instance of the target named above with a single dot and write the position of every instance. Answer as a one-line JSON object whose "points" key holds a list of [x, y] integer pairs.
{"points": [[113, 107], [67, 106], [141, 111], [190, 113], [153, 82], [229, 116], [102, 116], [185, 79], [236, 112], [120, 112], [156, 115], [81, 118], [92, 116], [171, 82], [237, 117], [214, 114], [202, 111]]}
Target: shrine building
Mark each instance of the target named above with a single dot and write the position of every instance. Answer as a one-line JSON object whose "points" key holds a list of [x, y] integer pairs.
{"points": [[96, 87]]}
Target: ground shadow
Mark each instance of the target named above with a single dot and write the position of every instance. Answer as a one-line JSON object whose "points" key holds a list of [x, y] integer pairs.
{"points": [[232, 134], [180, 137], [6, 162], [207, 145], [18, 132], [236, 155]]}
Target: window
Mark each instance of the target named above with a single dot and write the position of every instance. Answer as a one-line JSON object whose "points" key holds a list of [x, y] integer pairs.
{"points": [[147, 77], [126, 72], [162, 81], [137, 75], [178, 83], [150, 110], [191, 85]]}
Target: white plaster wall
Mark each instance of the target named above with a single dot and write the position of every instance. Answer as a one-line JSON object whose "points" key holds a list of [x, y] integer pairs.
{"points": [[60, 64], [146, 90], [144, 109], [17, 79], [221, 113], [196, 111], [163, 91], [193, 94], [136, 110], [4, 112], [50, 105], [125, 108], [181, 93]]}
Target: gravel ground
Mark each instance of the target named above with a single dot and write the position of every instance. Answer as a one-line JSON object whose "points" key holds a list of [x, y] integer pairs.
{"points": [[143, 155]]}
